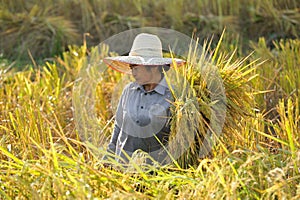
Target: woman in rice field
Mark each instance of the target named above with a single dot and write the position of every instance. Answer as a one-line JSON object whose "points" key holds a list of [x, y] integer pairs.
{"points": [[142, 120]]}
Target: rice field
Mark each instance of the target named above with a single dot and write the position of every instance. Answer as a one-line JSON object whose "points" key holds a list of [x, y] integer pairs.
{"points": [[255, 48]]}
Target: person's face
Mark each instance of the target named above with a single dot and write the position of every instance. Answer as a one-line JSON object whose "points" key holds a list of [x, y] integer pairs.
{"points": [[144, 75]]}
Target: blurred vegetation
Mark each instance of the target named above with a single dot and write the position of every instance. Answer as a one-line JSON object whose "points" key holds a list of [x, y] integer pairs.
{"points": [[45, 28], [41, 153]]}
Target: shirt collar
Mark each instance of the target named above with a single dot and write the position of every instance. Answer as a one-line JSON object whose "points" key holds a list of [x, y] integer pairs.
{"points": [[160, 88]]}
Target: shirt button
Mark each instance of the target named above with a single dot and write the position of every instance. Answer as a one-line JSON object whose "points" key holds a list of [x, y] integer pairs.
{"points": [[137, 121], [145, 93], [142, 107]]}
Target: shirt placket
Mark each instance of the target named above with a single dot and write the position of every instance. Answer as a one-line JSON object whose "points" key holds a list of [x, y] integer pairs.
{"points": [[141, 107]]}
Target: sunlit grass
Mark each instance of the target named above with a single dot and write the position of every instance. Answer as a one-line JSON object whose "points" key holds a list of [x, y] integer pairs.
{"points": [[42, 154], [43, 157]]}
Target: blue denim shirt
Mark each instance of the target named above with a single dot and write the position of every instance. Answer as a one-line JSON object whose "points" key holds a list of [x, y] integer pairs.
{"points": [[141, 115]]}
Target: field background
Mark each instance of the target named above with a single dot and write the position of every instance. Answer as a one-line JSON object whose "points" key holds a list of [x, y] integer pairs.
{"points": [[43, 46]]}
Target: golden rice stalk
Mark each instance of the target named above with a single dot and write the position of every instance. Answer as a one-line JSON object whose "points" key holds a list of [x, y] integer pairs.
{"points": [[200, 121]]}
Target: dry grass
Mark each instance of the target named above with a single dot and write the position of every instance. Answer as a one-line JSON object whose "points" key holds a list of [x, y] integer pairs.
{"points": [[43, 156]]}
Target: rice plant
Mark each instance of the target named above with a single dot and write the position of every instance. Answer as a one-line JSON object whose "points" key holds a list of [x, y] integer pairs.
{"points": [[42, 155], [257, 156]]}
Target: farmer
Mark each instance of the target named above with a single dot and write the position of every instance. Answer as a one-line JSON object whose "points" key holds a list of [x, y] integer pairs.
{"points": [[143, 114]]}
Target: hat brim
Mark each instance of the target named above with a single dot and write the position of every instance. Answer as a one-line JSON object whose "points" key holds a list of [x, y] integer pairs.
{"points": [[122, 63]]}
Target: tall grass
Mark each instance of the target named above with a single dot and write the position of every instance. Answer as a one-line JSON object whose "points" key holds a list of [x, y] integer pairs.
{"points": [[43, 157], [279, 75], [257, 156]]}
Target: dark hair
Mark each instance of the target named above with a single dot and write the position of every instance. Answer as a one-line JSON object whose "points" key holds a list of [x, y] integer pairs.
{"points": [[163, 68]]}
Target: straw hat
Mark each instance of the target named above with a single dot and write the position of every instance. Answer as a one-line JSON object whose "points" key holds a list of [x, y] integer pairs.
{"points": [[146, 50]]}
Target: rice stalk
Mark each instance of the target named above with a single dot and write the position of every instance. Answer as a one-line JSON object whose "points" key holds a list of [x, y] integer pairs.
{"points": [[200, 83], [289, 123]]}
